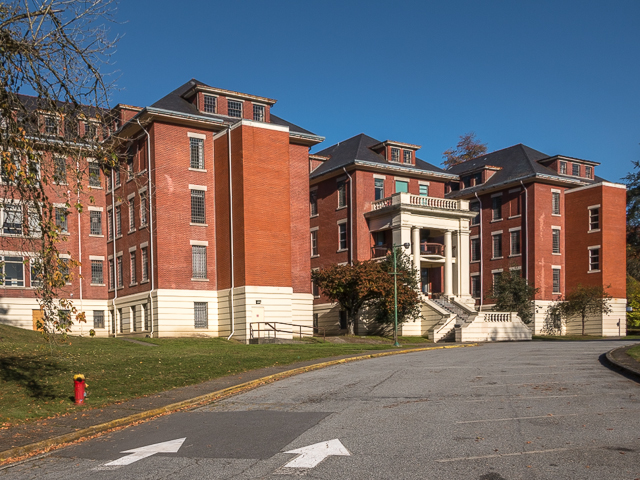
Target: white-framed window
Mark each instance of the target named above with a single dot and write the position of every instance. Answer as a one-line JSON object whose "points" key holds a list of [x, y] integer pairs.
{"points": [[51, 125], [258, 112], [12, 271], [132, 214], [424, 190], [209, 104], [342, 193], [575, 169], [98, 319], [119, 272], [199, 261], [555, 202], [555, 240], [90, 130], [34, 222], [94, 175], [495, 278], [234, 108], [61, 219], [118, 221], [35, 269], [475, 250], [130, 172], [144, 254], [200, 315], [594, 218], [342, 236], [112, 275], [143, 209], [556, 280], [496, 241], [97, 275], [117, 176], [594, 259], [475, 286], [60, 170], [515, 242], [395, 154], [132, 266], [12, 218], [378, 185], [406, 156], [496, 208], [588, 171], [563, 168], [197, 207], [475, 207], [95, 222], [109, 225], [314, 243], [196, 146], [402, 186], [313, 203]]}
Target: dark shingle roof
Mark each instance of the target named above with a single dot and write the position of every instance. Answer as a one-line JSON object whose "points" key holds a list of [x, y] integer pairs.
{"points": [[359, 148], [515, 162]]}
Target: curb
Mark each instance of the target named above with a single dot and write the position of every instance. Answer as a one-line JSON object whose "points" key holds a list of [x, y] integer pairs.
{"points": [[55, 442], [635, 372]]}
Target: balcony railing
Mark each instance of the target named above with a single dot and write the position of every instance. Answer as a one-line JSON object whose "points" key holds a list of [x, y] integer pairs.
{"points": [[432, 249], [420, 201]]}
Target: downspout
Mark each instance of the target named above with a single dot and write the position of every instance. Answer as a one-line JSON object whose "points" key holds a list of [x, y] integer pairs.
{"points": [[79, 247], [115, 263], [233, 325], [526, 231], [153, 277], [481, 257], [351, 216]]}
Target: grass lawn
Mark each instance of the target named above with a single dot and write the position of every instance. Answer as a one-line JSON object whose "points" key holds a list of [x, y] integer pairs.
{"points": [[634, 352], [37, 380], [579, 337]]}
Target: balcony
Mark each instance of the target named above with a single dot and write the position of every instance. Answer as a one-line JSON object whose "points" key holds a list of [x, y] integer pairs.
{"points": [[408, 199], [432, 249]]}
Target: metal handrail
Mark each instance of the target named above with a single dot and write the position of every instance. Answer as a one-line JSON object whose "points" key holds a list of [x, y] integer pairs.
{"points": [[271, 327]]}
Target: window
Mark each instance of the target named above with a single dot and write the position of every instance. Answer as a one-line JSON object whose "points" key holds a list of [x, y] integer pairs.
{"points": [[199, 261], [129, 168], [12, 219], [475, 207], [109, 226], [516, 205], [119, 272], [94, 175], [12, 272], [475, 286], [51, 125], [313, 203], [424, 190], [588, 171], [97, 277], [563, 168], [342, 236], [342, 194], [34, 222], [515, 242], [200, 316], [63, 266], [556, 280], [197, 153], [197, 206], [132, 214], [497, 245], [395, 154], [118, 221], [475, 250], [210, 104], [117, 176], [594, 218], [379, 188], [36, 273], [496, 208], [145, 311], [95, 222], [555, 240], [98, 319], [143, 209], [235, 108], [575, 169], [132, 266], [594, 259], [406, 156], [402, 186], [112, 283], [108, 177], [315, 290], [90, 130], [61, 219], [133, 318], [379, 239], [555, 203], [314, 243], [495, 278], [258, 113], [60, 171], [145, 264]]}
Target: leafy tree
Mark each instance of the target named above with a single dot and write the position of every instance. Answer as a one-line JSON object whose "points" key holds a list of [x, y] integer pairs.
{"points": [[408, 297], [467, 148], [581, 302], [633, 301], [52, 50], [632, 180], [514, 294]]}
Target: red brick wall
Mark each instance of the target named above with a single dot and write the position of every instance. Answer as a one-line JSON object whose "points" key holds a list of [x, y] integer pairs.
{"points": [[299, 205]]}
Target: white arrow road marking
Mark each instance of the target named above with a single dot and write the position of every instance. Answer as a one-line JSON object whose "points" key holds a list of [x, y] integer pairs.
{"points": [[309, 457], [172, 446]]}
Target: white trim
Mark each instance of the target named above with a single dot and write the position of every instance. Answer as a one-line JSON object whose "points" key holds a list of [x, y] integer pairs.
{"points": [[604, 184], [202, 243], [497, 232], [119, 254], [144, 245], [593, 207], [515, 229], [497, 270], [402, 179], [499, 194], [96, 257], [133, 249], [594, 247], [556, 267], [423, 182], [256, 124], [131, 195], [476, 274], [554, 227], [314, 229], [55, 205], [198, 187], [517, 267], [142, 189], [64, 255], [380, 177], [340, 222], [555, 190], [474, 237], [201, 136], [95, 209]]}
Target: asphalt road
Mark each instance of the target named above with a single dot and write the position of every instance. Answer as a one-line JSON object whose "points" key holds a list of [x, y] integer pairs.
{"points": [[534, 410]]}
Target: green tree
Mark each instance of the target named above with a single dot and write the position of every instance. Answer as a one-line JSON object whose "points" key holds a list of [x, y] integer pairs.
{"points": [[632, 179], [581, 302], [53, 51], [514, 294], [633, 301], [467, 148]]}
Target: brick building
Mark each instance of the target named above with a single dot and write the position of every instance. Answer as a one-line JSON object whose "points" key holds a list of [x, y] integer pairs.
{"points": [[552, 218]]}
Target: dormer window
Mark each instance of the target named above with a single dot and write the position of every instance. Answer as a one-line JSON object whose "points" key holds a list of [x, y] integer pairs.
{"points": [[209, 104], [575, 170], [234, 108], [51, 125], [563, 168], [406, 156], [90, 130], [588, 171], [395, 154], [258, 112]]}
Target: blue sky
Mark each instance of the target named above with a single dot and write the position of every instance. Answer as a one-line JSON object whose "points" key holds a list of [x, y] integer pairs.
{"points": [[559, 76]]}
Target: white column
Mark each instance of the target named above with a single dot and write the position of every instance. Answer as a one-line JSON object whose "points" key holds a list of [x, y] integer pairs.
{"points": [[415, 248], [448, 265]]}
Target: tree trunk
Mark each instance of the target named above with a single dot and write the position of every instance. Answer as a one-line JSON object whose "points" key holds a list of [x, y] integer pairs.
{"points": [[351, 323], [584, 321]]}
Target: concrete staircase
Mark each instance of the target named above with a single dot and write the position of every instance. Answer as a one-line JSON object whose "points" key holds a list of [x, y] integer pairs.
{"points": [[453, 314]]}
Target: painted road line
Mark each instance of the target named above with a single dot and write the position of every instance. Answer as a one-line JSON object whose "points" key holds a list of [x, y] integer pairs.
{"points": [[309, 457], [135, 454]]}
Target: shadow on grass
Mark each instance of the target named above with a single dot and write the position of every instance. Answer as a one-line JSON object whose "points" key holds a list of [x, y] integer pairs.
{"points": [[29, 372]]}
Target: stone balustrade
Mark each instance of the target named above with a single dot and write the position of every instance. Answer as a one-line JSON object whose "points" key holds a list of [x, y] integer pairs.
{"points": [[420, 201]]}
